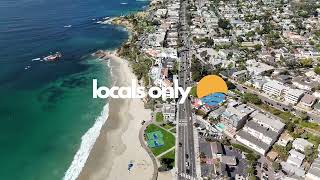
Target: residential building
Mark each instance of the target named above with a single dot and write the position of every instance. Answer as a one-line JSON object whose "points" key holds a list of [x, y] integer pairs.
{"points": [[263, 133], [236, 116], [252, 142], [307, 101], [260, 133], [314, 171], [284, 139], [300, 144], [293, 96], [274, 88], [217, 149], [257, 68], [169, 112], [229, 160], [304, 83], [268, 122], [295, 158], [240, 75]]}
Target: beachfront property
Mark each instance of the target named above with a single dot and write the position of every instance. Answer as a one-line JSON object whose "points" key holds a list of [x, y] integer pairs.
{"points": [[169, 112]]}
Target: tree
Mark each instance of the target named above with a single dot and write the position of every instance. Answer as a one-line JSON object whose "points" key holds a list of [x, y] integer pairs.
{"points": [[317, 70], [308, 151], [251, 157], [193, 91], [306, 62], [290, 126], [224, 24], [166, 163], [250, 170], [304, 116], [252, 98], [276, 166]]}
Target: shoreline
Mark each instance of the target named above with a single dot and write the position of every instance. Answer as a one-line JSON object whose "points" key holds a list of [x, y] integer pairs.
{"points": [[109, 156], [118, 143]]}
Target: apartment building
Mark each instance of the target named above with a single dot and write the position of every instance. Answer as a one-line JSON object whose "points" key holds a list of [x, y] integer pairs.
{"points": [[236, 116], [260, 133], [274, 88], [293, 96], [268, 122]]}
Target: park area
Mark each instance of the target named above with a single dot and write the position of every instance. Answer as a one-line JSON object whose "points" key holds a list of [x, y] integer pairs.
{"points": [[159, 140]]}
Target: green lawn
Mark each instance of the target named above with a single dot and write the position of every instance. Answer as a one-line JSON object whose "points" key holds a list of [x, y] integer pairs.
{"points": [[168, 126], [170, 155], [159, 117], [169, 139]]}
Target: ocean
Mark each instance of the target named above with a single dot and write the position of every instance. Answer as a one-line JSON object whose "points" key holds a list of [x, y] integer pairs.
{"points": [[47, 114]]}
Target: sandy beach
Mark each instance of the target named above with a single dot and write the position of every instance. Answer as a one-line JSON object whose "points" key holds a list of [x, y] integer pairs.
{"points": [[118, 143]]}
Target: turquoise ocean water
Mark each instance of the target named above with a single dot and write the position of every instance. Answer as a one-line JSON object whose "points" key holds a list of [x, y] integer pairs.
{"points": [[46, 109]]}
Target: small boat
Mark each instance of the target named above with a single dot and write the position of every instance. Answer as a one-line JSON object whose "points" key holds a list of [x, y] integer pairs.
{"points": [[36, 59], [68, 26], [27, 67], [123, 3], [53, 57]]}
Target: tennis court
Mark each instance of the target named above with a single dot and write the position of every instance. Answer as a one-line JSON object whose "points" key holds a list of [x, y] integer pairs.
{"points": [[155, 139]]}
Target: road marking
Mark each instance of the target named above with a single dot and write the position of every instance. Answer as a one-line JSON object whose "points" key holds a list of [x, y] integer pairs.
{"points": [[187, 176]]}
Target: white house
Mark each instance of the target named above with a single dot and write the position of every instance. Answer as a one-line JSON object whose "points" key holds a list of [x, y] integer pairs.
{"points": [[301, 144], [295, 158]]}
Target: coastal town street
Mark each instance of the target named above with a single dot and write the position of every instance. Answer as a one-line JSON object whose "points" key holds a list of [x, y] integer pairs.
{"points": [[260, 118], [186, 150]]}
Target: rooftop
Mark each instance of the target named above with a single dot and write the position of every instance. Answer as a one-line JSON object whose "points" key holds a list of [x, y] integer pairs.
{"points": [[275, 124], [315, 169], [253, 139], [263, 130], [308, 99]]}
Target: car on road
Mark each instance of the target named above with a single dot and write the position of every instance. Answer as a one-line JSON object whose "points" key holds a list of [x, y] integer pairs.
{"points": [[187, 156], [265, 167], [187, 164], [180, 144]]}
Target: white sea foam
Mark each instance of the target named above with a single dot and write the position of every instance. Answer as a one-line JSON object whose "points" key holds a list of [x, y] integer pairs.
{"points": [[87, 142]]}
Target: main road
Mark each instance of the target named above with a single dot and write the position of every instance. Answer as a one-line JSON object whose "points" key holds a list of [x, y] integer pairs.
{"points": [[186, 157]]}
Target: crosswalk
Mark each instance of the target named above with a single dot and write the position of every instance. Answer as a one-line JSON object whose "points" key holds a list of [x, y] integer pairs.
{"points": [[182, 123], [187, 176]]}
